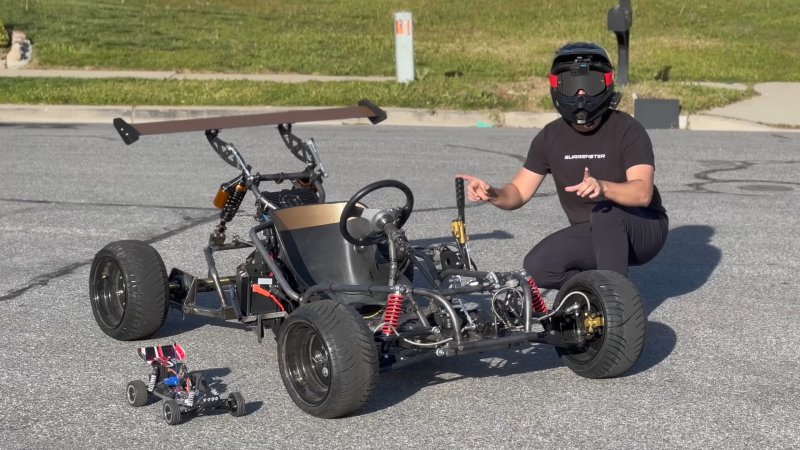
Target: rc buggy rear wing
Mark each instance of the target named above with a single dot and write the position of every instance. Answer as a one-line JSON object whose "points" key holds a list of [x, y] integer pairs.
{"points": [[130, 132], [162, 354]]}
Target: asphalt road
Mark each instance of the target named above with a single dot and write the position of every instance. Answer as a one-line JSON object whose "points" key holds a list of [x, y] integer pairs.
{"points": [[720, 367]]}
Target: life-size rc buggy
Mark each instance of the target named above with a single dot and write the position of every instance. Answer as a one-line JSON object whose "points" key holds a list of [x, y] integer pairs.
{"points": [[343, 289], [183, 392]]}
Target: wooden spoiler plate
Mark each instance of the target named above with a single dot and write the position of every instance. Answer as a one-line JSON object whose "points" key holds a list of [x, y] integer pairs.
{"points": [[130, 132]]}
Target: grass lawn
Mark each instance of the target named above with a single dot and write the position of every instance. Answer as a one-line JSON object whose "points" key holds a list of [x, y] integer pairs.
{"points": [[501, 49]]}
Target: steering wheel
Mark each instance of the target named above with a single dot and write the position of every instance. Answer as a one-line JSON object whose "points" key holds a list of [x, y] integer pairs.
{"points": [[379, 218]]}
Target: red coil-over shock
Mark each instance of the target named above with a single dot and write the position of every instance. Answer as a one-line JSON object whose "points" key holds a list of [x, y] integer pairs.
{"points": [[537, 300], [391, 318]]}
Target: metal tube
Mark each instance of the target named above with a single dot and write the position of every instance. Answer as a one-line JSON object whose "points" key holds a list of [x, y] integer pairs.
{"points": [[212, 271], [505, 341], [267, 204], [463, 272], [282, 282], [465, 290], [320, 190], [231, 246], [447, 307], [368, 289], [390, 229], [282, 176], [422, 319]]}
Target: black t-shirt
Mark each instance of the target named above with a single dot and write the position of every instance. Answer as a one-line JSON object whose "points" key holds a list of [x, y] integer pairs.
{"points": [[617, 145]]}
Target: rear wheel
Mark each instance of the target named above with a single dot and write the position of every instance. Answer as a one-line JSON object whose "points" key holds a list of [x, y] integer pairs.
{"points": [[172, 412], [327, 358], [128, 289], [614, 319], [236, 404]]}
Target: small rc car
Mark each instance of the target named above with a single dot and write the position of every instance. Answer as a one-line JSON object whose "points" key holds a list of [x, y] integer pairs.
{"points": [[183, 392], [344, 290]]}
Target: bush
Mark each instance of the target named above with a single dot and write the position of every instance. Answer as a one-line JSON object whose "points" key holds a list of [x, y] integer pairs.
{"points": [[4, 40]]}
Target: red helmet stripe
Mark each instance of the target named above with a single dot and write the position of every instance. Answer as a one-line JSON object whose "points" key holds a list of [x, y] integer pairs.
{"points": [[553, 81], [609, 78]]}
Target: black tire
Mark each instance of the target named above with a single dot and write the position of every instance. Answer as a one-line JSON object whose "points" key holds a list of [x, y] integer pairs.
{"points": [[136, 393], [172, 412], [613, 351], [327, 358], [129, 290], [236, 404]]}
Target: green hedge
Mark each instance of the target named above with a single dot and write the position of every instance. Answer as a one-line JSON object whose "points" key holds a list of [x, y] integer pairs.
{"points": [[4, 40]]}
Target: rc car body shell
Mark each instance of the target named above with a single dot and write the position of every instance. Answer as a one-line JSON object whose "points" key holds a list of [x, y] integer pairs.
{"points": [[183, 392]]}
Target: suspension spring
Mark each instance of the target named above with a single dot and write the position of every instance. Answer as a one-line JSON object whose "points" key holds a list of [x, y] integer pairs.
{"points": [[538, 301], [394, 308], [151, 383], [233, 203]]}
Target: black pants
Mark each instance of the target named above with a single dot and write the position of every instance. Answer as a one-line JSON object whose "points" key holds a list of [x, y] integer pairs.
{"points": [[614, 238]]}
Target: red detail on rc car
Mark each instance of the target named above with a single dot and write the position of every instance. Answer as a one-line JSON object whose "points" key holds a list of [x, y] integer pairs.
{"points": [[163, 354]]}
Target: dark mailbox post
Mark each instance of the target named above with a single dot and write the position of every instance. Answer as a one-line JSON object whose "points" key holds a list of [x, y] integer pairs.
{"points": [[620, 19]]}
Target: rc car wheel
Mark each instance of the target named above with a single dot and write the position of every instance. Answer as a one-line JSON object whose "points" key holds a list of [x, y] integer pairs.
{"points": [[172, 412], [327, 358], [619, 337], [128, 289], [136, 393], [236, 404]]}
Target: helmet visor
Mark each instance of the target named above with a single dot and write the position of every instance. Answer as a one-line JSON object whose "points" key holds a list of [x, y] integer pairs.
{"points": [[581, 75]]}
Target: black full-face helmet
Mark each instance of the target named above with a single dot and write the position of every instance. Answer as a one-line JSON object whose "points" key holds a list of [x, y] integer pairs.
{"points": [[582, 66]]}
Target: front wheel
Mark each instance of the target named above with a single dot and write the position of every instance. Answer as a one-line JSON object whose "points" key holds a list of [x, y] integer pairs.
{"points": [[128, 290], [327, 358], [609, 312], [137, 394]]}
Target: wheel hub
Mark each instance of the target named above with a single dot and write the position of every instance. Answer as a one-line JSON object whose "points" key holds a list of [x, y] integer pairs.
{"points": [[110, 293]]}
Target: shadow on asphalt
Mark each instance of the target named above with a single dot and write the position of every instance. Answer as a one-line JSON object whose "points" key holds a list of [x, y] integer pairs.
{"points": [[658, 345], [178, 323], [395, 386], [684, 265]]}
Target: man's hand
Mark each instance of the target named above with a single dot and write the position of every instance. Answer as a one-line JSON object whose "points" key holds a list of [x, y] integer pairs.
{"points": [[477, 189], [590, 186]]}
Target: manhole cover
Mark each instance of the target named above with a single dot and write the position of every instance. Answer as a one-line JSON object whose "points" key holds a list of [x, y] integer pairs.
{"points": [[765, 187]]}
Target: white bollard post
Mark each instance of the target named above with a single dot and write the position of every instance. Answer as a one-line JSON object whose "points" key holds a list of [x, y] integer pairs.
{"points": [[404, 46]]}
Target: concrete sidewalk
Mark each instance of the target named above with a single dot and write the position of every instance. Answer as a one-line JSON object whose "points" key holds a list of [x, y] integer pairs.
{"points": [[773, 109]]}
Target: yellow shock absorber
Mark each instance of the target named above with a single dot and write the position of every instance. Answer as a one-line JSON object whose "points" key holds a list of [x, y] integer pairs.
{"points": [[221, 198]]}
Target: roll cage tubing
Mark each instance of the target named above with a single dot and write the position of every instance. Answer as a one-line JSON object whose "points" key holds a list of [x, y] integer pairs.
{"points": [[130, 132]]}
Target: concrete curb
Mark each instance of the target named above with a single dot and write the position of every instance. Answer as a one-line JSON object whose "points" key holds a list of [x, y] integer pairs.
{"points": [[172, 75], [396, 116], [765, 112]]}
